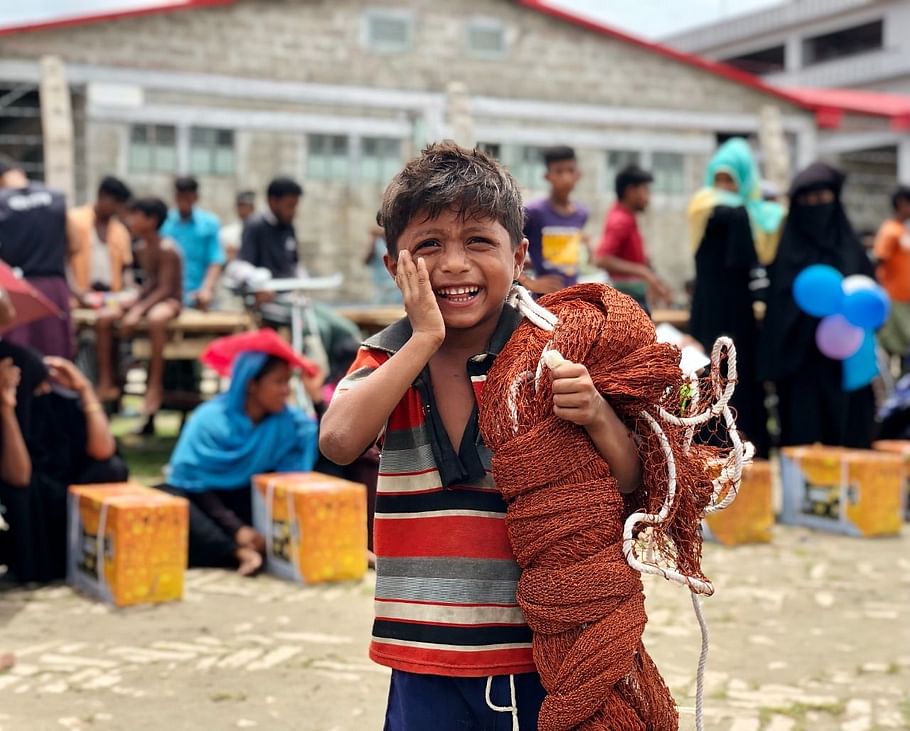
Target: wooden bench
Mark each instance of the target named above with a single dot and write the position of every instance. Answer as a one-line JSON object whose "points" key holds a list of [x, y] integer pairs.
{"points": [[190, 332]]}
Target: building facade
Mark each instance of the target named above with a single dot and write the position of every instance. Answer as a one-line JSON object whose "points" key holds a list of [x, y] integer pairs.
{"points": [[805, 46], [339, 93]]}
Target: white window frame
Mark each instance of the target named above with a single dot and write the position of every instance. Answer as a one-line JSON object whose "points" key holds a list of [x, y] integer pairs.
{"points": [[153, 168], [672, 194], [213, 151], [352, 144], [399, 159], [395, 14], [485, 24]]}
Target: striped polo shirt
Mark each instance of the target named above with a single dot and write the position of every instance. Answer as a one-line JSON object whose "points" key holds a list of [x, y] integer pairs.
{"points": [[445, 572]]}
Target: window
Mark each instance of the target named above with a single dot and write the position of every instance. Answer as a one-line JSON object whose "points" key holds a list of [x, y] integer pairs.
{"points": [[153, 148], [616, 161], [486, 39], [529, 168], [842, 43], [493, 149], [211, 151], [765, 61], [388, 31], [380, 160], [328, 157], [669, 171]]}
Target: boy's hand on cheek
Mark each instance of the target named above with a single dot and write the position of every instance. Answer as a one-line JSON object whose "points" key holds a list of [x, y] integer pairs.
{"points": [[575, 398], [419, 299]]}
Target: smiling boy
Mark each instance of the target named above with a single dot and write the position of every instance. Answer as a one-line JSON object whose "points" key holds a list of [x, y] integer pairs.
{"points": [[447, 621]]}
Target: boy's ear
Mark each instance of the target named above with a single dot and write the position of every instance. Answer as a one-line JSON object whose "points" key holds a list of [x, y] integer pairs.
{"points": [[521, 253], [391, 264]]}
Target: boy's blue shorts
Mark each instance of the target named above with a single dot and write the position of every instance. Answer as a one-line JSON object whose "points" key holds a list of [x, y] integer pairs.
{"points": [[440, 703]]}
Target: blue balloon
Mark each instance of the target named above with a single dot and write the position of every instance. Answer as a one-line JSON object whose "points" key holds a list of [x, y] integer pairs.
{"points": [[861, 368], [867, 308], [818, 290]]}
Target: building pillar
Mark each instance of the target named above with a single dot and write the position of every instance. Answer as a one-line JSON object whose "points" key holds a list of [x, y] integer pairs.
{"points": [[793, 53], [903, 162]]}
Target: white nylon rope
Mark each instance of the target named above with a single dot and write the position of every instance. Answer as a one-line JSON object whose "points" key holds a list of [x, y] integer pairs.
{"points": [[729, 475], [513, 709]]}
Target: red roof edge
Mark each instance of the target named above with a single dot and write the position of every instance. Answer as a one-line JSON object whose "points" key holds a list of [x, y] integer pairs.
{"points": [[112, 15], [712, 67]]}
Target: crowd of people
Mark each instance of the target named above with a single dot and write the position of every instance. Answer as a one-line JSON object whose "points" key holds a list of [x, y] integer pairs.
{"points": [[136, 262], [748, 248], [455, 239]]}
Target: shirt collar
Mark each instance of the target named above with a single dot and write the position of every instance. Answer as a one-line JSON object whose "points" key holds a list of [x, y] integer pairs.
{"points": [[269, 217]]}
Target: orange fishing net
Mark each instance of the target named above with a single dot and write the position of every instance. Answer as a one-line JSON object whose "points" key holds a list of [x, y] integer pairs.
{"points": [[581, 598]]}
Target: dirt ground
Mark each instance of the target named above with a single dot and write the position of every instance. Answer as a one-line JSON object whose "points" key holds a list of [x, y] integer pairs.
{"points": [[811, 632]]}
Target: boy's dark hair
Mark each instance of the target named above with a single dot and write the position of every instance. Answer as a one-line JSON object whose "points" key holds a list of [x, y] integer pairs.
{"points": [[630, 176], [559, 153], [114, 188], [186, 184], [281, 187], [901, 193], [245, 196], [271, 363], [448, 176], [151, 207]]}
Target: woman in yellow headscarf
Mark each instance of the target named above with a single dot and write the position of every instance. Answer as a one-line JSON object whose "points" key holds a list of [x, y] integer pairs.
{"points": [[727, 220]]}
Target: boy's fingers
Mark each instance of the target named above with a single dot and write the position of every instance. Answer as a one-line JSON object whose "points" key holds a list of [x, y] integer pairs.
{"points": [[568, 369], [570, 400], [569, 385]]}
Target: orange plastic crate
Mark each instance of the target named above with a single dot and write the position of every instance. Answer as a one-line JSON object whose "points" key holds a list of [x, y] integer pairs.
{"points": [[901, 447], [315, 526], [857, 492], [127, 543], [749, 518]]}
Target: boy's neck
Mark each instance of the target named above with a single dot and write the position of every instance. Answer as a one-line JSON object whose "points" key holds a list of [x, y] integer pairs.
{"points": [[562, 202], [152, 240], [471, 341]]}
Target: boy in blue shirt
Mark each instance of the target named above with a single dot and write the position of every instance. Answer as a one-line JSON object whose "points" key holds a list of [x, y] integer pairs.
{"points": [[197, 235]]}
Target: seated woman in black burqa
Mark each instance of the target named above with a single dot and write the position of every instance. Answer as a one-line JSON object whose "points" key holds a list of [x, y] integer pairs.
{"points": [[53, 434]]}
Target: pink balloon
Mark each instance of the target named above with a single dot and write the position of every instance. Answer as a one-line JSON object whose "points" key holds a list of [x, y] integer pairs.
{"points": [[837, 338]]}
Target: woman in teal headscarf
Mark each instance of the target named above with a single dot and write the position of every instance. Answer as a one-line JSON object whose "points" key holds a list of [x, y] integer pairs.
{"points": [[248, 430], [727, 219]]}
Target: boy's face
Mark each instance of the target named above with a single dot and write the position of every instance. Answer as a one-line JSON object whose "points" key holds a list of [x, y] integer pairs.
{"points": [[562, 176], [139, 224], [185, 200], [284, 208], [470, 261], [638, 196]]}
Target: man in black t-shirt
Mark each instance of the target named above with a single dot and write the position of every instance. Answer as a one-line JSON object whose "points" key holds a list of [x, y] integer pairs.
{"points": [[269, 239], [33, 240]]}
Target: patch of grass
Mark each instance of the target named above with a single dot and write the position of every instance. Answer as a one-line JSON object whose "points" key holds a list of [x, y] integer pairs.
{"points": [[146, 456], [221, 696], [719, 695], [798, 711], [905, 710]]}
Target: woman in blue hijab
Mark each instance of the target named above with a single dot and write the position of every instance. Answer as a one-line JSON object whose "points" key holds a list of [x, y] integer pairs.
{"points": [[248, 430]]}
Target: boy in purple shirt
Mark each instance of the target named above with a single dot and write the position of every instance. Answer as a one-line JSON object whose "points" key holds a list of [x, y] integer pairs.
{"points": [[554, 226]]}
